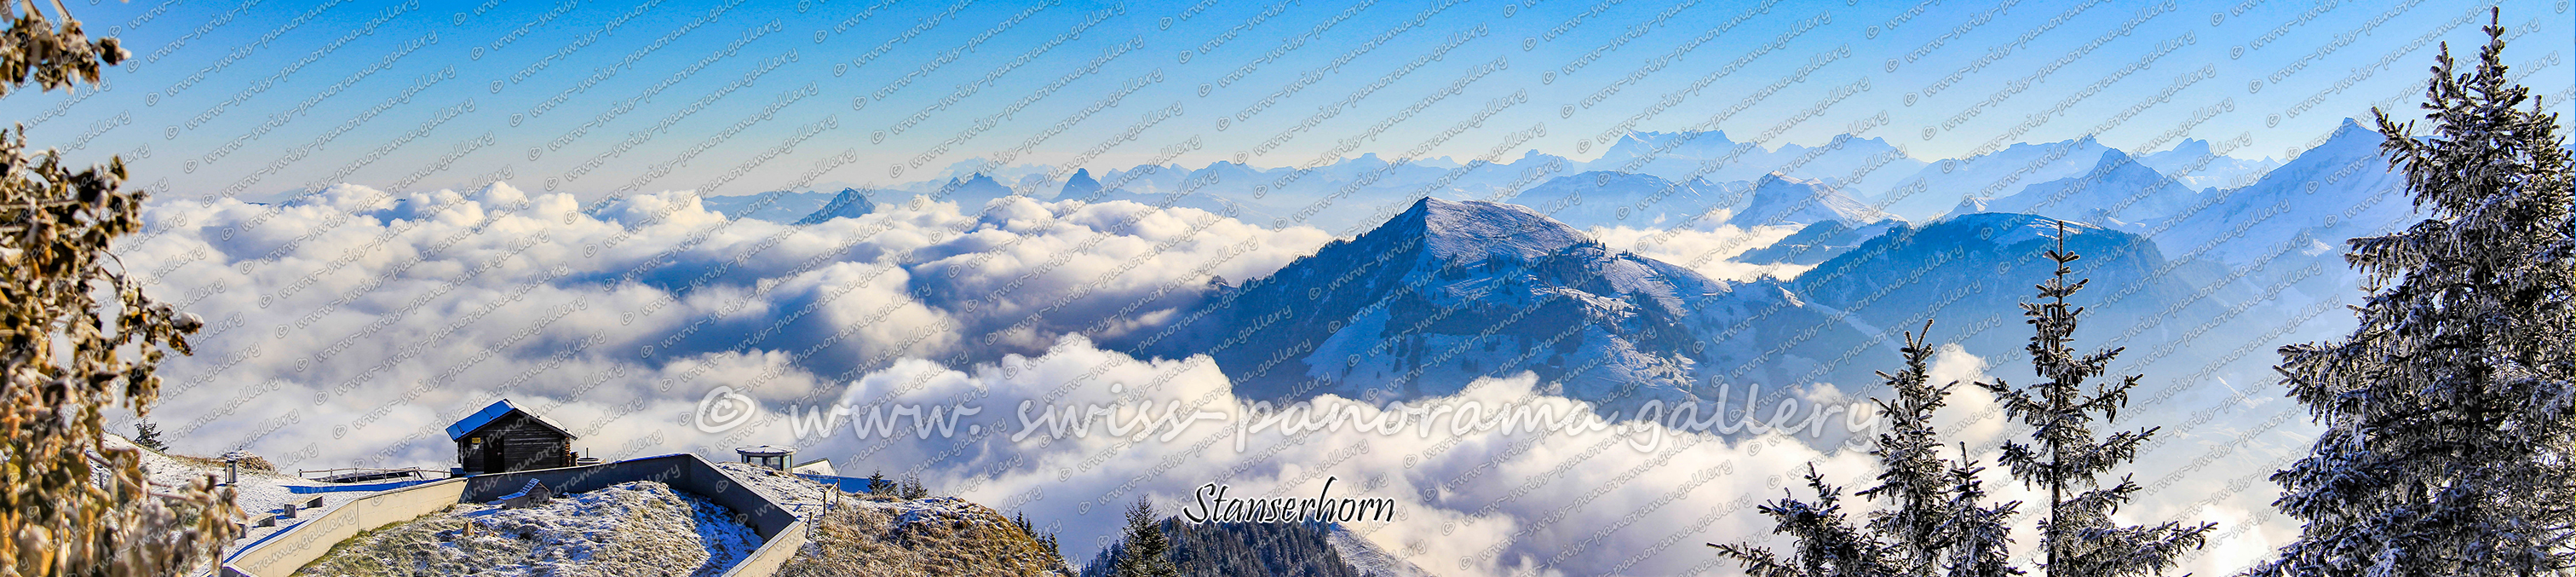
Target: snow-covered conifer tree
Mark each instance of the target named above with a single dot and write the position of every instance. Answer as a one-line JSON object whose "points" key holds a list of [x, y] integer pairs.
{"points": [[2078, 536], [1979, 535], [1146, 552], [2449, 434], [1825, 543], [1934, 507], [1936, 517]]}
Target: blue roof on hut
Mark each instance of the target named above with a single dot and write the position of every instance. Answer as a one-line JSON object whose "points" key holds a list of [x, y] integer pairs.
{"points": [[483, 417]]}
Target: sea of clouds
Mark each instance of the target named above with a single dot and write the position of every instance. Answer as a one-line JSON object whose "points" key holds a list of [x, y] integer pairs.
{"points": [[348, 326]]}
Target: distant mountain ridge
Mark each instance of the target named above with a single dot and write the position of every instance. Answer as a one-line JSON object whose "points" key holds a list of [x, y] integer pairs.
{"points": [[1448, 292], [1715, 157], [1442, 292], [2198, 164], [1642, 180], [1605, 199], [2117, 190], [1942, 184], [1970, 272], [1779, 200], [2340, 188], [849, 203], [1818, 242], [775, 206]]}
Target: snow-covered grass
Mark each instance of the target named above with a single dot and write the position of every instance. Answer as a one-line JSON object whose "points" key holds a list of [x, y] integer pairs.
{"points": [[779, 486], [259, 492], [867, 535], [637, 528], [934, 536]]}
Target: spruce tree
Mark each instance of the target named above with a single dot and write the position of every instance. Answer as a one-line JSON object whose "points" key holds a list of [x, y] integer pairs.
{"points": [[148, 435], [1911, 471], [2449, 446], [1935, 504], [1146, 552], [1824, 541], [1978, 536], [2078, 537], [1936, 517]]}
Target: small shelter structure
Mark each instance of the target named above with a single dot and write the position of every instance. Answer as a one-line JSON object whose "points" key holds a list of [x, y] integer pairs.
{"points": [[768, 456], [503, 438]]}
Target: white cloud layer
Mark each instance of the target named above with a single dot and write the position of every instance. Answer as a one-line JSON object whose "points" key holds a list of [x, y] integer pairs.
{"points": [[349, 326], [371, 319], [1708, 252]]}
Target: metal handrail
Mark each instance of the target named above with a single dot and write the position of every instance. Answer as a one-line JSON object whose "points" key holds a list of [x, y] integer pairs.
{"points": [[327, 473]]}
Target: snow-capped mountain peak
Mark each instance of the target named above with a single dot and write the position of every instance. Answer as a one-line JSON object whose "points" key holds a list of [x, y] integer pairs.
{"points": [[1779, 199], [1475, 230], [849, 203], [1447, 292], [2116, 190], [1080, 185]]}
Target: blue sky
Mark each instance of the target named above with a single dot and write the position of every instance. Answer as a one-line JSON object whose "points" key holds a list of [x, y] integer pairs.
{"points": [[407, 316], [264, 97]]}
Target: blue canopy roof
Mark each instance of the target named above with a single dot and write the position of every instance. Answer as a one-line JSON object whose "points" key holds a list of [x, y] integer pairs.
{"points": [[488, 414]]}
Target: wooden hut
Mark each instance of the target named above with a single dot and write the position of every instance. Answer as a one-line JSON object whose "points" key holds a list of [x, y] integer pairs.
{"points": [[503, 437]]}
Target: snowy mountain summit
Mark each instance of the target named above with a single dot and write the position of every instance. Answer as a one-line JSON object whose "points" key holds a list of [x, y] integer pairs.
{"points": [[1459, 233], [1080, 185], [2118, 190], [849, 203], [1448, 292], [1782, 200]]}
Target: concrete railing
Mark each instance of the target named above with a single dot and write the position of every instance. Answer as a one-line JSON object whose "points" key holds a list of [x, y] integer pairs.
{"points": [[781, 532], [291, 548], [682, 471], [772, 554]]}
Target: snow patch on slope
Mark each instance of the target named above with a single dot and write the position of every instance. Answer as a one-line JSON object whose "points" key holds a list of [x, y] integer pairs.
{"points": [[1368, 557]]}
